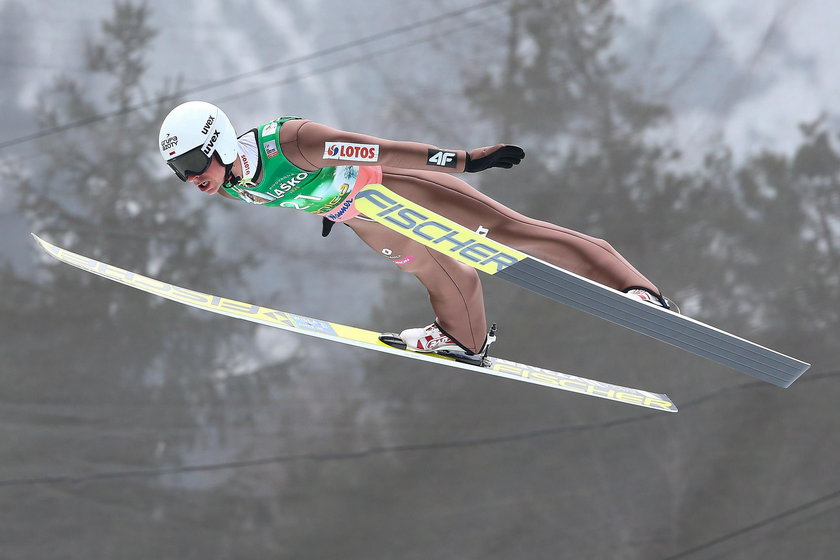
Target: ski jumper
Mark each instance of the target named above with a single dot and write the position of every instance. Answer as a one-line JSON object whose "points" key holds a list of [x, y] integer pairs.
{"points": [[297, 163]]}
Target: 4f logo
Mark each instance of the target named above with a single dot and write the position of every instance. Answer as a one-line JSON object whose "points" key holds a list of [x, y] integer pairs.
{"points": [[443, 159]]}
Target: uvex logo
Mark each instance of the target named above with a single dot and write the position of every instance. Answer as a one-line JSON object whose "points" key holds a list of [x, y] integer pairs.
{"points": [[208, 147], [206, 128]]}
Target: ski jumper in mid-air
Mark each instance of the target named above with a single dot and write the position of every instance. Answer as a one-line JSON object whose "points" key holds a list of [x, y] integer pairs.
{"points": [[296, 163]]}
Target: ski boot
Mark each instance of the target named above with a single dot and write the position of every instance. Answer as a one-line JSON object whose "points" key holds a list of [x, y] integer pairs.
{"points": [[647, 296], [433, 340]]}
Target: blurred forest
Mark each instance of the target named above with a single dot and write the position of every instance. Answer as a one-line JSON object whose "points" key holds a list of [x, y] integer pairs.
{"points": [[137, 428]]}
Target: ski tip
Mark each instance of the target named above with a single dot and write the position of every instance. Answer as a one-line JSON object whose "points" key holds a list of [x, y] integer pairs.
{"points": [[46, 246], [660, 402], [41, 243]]}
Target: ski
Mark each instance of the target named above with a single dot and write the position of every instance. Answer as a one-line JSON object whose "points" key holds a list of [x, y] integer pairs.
{"points": [[355, 336], [480, 252]]}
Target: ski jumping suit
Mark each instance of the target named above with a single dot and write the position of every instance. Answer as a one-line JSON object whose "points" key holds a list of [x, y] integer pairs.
{"points": [[296, 163]]}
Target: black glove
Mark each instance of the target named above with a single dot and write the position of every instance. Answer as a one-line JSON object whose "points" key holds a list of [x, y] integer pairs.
{"points": [[501, 155]]}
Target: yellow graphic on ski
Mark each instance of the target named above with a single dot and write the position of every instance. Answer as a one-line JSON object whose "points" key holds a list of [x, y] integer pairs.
{"points": [[473, 249], [354, 336], [435, 231]]}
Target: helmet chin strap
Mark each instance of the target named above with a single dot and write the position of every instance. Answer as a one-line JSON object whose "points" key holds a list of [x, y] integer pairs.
{"points": [[230, 178]]}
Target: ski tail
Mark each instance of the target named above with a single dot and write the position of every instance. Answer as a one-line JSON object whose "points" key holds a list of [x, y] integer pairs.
{"points": [[473, 249]]}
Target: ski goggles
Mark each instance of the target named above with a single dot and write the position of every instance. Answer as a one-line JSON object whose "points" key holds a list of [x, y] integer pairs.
{"points": [[194, 162]]}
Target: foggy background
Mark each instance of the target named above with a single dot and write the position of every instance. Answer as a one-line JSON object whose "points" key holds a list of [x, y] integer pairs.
{"points": [[699, 138]]}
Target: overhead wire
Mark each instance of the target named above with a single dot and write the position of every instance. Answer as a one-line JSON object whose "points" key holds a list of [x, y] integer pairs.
{"points": [[282, 82], [440, 445], [801, 508], [345, 62], [396, 31], [456, 444], [360, 454]]}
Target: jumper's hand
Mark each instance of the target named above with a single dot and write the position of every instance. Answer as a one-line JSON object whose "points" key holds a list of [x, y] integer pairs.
{"points": [[500, 155]]}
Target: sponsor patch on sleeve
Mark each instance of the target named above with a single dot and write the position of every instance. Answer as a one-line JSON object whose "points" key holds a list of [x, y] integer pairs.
{"points": [[351, 152], [442, 158], [270, 148], [269, 129]]}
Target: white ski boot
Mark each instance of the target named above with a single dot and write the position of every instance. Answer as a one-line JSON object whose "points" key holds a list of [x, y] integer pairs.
{"points": [[432, 339], [649, 297], [429, 339]]}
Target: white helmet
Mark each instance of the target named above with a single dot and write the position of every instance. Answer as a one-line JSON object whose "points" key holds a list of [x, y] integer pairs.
{"points": [[191, 133]]}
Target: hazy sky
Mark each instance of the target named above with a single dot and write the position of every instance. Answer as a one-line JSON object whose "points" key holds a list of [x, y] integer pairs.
{"points": [[762, 65], [759, 65]]}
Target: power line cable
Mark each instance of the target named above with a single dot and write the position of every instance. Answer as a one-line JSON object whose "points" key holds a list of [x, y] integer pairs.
{"points": [[286, 81], [758, 525], [322, 457], [346, 62], [458, 444], [392, 449], [396, 31], [430, 446]]}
